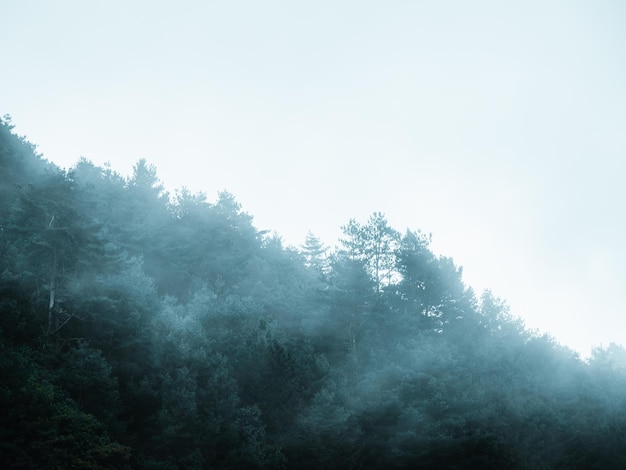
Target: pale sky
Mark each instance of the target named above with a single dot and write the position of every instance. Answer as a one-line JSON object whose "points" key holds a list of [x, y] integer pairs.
{"points": [[498, 126]]}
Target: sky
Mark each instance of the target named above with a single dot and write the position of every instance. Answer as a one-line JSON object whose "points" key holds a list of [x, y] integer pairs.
{"points": [[499, 127]]}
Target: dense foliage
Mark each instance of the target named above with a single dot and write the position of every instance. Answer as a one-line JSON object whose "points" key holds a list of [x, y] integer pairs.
{"points": [[144, 330]]}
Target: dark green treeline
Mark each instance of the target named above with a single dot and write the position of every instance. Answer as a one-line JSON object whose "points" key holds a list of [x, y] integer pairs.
{"points": [[140, 329]]}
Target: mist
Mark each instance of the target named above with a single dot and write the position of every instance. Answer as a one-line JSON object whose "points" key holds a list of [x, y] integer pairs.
{"points": [[340, 235], [143, 329], [495, 127]]}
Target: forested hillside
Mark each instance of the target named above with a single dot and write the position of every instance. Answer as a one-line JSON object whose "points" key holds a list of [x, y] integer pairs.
{"points": [[141, 329]]}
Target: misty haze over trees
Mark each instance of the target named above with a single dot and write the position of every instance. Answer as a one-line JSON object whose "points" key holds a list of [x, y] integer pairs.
{"points": [[141, 329]]}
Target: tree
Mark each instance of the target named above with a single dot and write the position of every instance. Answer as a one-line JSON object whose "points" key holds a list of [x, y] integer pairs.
{"points": [[351, 297], [55, 241], [314, 252], [146, 181], [188, 206], [374, 245], [380, 247], [416, 264], [86, 375], [431, 285], [41, 428]]}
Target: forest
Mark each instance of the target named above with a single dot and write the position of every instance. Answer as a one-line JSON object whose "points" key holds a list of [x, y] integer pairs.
{"points": [[146, 330]]}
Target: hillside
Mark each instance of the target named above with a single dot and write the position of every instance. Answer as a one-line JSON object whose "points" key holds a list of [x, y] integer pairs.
{"points": [[141, 329]]}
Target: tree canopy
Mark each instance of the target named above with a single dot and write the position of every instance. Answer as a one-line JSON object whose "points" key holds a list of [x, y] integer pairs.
{"points": [[140, 329]]}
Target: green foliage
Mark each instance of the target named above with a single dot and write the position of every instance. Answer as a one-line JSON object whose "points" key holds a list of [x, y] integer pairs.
{"points": [[373, 244], [43, 429], [314, 252], [139, 331], [87, 377]]}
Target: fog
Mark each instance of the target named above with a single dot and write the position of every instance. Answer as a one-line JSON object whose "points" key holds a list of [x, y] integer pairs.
{"points": [[495, 127], [341, 235], [148, 330]]}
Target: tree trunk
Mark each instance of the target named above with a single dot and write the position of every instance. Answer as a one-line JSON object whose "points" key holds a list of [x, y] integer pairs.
{"points": [[51, 316]]}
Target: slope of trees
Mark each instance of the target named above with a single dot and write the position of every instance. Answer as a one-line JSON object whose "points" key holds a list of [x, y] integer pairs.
{"points": [[140, 329]]}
